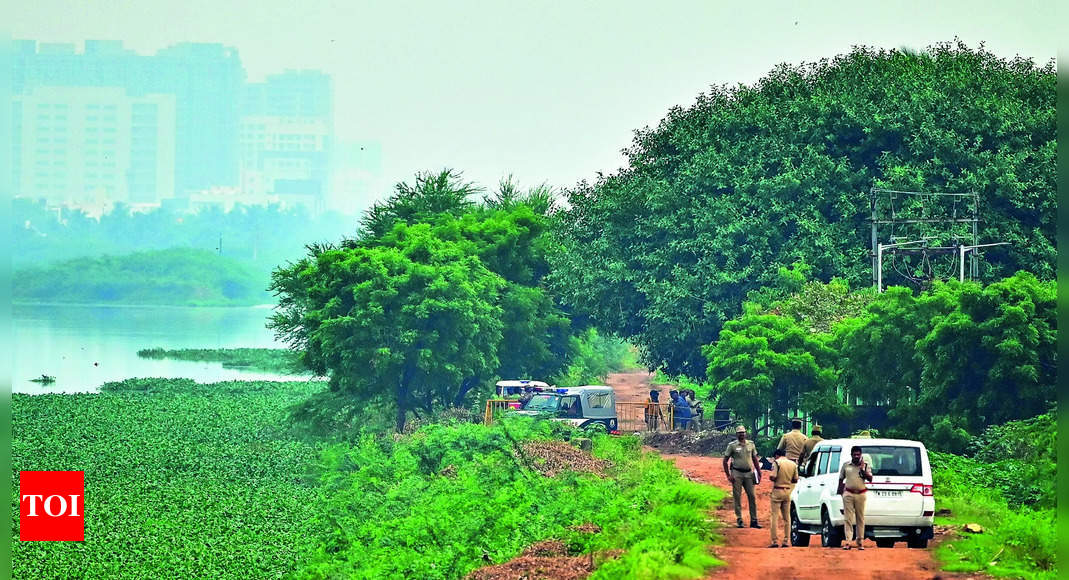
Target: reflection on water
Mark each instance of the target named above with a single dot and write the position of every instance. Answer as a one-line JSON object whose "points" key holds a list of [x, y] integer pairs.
{"points": [[86, 346]]}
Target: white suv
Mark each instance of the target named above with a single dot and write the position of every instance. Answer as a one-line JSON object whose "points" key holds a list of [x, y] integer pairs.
{"points": [[900, 505]]}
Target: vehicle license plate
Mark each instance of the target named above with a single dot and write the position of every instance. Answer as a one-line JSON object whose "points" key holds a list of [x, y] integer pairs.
{"points": [[887, 492]]}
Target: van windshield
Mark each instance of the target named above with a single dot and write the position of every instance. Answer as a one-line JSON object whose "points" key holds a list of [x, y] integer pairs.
{"points": [[543, 403], [893, 460]]}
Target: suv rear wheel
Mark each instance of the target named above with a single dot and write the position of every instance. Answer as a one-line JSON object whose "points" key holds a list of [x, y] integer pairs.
{"points": [[797, 537], [919, 543], [830, 536]]}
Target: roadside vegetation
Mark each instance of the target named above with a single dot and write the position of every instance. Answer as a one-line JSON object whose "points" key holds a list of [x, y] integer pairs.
{"points": [[484, 494], [268, 360], [1007, 486]]}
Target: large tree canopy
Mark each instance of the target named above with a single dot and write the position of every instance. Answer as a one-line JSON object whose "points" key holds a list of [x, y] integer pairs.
{"points": [[435, 297], [748, 179]]}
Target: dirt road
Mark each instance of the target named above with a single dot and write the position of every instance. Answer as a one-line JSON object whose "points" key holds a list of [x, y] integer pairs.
{"points": [[745, 550]]}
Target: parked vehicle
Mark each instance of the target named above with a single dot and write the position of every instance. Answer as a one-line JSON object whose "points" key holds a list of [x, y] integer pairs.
{"points": [[514, 389], [581, 406], [900, 505]]}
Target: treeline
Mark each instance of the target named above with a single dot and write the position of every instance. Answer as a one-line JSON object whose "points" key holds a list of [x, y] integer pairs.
{"points": [[748, 179], [260, 237], [177, 277], [268, 360], [944, 364]]}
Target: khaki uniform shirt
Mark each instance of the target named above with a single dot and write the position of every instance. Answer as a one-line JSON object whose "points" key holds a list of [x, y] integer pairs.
{"points": [[784, 473], [792, 443], [741, 455], [851, 474], [807, 448]]}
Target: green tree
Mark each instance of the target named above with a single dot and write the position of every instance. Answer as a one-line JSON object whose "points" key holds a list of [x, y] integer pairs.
{"points": [[993, 358], [750, 178], [432, 195], [410, 320], [955, 359], [500, 320], [877, 349], [768, 365]]}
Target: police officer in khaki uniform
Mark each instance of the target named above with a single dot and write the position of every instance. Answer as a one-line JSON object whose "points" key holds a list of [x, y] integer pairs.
{"points": [[743, 473], [793, 441], [852, 478], [784, 476], [810, 443]]}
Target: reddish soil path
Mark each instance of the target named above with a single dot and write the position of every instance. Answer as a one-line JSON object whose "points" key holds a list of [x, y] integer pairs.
{"points": [[745, 550], [747, 555]]}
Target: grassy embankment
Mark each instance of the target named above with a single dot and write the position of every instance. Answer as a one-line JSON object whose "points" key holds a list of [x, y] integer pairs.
{"points": [[195, 480], [174, 277], [268, 360], [1007, 488]]}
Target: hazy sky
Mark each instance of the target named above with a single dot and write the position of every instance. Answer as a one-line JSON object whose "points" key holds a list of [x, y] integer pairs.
{"points": [[547, 91]]}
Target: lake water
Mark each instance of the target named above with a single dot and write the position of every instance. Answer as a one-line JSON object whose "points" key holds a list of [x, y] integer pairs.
{"points": [[86, 346]]}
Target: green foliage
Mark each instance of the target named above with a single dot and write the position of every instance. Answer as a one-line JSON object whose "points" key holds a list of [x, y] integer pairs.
{"points": [[1019, 539], [767, 364], [195, 480], [178, 277], [997, 346], [721, 194], [270, 360], [476, 479], [409, 320], [432, 195], [1023, 455], [593, 357], [956, 359], [434, 298]]}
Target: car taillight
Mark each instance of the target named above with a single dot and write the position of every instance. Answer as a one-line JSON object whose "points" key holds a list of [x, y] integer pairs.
{"points": [[925, 490]]}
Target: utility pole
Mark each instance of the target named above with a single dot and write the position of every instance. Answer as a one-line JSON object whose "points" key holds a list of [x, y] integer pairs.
{"points": [[961, 256], [879, 259]]}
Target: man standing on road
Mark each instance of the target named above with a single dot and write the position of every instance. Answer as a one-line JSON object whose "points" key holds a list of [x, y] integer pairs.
{"points": [[810, 444], [784, 476], [743, 473], [852, 478], [680, 411], [793, 441], [654, 418]]}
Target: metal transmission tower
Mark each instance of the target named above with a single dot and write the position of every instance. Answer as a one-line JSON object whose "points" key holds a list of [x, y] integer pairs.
{"points": [[925, 234]]}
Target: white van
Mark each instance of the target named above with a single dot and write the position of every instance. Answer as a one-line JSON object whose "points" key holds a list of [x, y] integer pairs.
{"points": [[899, 504], [581, 406]]}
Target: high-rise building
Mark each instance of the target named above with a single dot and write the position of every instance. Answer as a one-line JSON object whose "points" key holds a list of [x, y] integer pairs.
{"points": [[94, 145], [204, 82], [286, 138]]}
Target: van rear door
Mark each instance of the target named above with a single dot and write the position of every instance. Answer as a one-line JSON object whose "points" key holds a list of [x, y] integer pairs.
{"points": [[899, 485]]}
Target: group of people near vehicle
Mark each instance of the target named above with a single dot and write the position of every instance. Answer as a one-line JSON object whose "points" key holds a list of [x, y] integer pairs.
{"points": [[687, 411], [743, 469]]}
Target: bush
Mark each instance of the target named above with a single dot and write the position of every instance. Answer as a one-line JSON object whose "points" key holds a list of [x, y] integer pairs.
{"points": [[385, 500], [1019, 539]]}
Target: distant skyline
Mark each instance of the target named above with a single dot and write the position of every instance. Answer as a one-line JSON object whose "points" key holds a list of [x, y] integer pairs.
{"points": [[547, 92]]}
